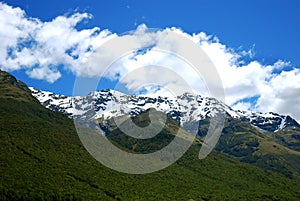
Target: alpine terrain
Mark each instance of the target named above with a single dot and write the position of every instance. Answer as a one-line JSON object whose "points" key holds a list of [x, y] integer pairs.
{"points": [[42, 157]]}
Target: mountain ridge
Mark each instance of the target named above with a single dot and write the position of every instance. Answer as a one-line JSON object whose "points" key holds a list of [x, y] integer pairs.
{"points": [[184, 108]]}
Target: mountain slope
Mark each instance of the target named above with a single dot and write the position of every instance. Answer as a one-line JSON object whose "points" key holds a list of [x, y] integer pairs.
{"points": [[14, 89], [266, 140], [42, 158], [241, 141]]}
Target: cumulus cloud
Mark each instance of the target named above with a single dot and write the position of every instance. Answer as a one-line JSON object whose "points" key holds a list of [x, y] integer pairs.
{"points": [[41, 48], [46, 49], [282, 94]]}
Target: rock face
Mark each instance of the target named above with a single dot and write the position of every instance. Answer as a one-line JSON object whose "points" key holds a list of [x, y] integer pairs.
{"points": [[185, 108]]}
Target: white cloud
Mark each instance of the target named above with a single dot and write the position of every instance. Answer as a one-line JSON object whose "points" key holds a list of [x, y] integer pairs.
{"points": [[44, 48], [243, 106], [283, 95], [44, 73]]}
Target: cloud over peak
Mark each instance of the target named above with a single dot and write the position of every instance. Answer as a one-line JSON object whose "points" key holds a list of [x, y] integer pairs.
{"points": [[46, 49]]}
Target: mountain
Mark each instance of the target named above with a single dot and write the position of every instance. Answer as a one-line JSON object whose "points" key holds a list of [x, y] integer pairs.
{"points": [[42, 158], [268, 140], [185, 108]]}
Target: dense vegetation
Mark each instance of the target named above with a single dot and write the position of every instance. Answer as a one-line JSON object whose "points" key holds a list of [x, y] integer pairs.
{"points": [[42, 158]]}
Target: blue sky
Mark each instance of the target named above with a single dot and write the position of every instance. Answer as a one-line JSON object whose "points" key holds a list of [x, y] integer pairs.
{"points": [[273, 26], [268, 30]]}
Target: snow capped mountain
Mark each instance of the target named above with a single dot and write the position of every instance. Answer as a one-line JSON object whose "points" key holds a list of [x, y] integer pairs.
{"points": [[185, 108]]}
